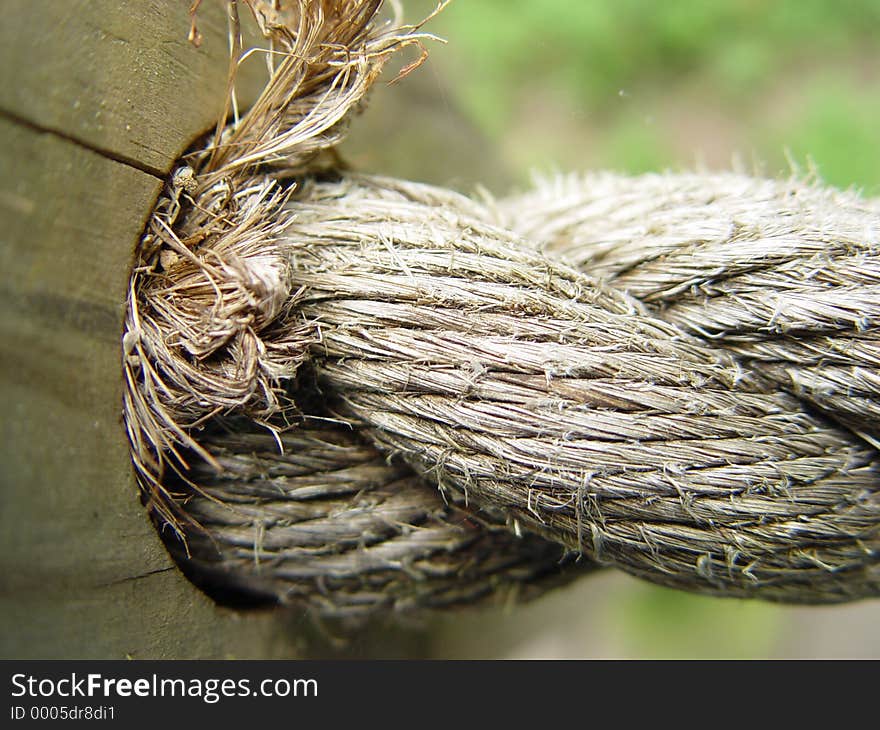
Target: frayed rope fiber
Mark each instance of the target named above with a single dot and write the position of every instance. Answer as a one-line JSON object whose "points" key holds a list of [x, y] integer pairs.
{"points": [[356, 393]]}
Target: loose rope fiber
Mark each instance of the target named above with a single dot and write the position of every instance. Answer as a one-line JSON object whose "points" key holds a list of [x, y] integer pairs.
{"points": [[356, 393]]}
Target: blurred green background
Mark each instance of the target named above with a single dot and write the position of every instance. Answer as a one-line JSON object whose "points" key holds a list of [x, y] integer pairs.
{"points": [[640, 85], [635, 86]]}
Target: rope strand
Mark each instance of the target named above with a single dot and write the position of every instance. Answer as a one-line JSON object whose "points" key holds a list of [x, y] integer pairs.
{"points": [[362, 395]]}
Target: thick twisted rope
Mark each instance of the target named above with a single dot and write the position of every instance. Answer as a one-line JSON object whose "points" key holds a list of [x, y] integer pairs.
{"points": [[690, 410], [525, 385], [784, 274], [329, 524]]}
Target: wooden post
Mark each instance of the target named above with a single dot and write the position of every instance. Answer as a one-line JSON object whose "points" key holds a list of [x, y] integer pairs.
{"points": [[97, 100]]}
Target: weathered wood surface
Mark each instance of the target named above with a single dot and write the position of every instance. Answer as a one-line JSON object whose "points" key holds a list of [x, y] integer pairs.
{"points": [[97, 99], [119, 76]]}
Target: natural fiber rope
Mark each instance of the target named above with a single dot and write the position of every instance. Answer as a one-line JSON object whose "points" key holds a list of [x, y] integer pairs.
{"points": [[684, 417], [330, 524], [525, 385], [784, 274]]}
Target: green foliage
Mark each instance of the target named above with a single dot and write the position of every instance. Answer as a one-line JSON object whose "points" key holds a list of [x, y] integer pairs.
{"points": [[834, 126], [658, 623], [618, 61], [600, 45]]}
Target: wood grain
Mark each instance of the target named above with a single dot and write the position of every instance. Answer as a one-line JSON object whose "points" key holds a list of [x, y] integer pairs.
{"points": [[97, 99], [119, 77]]}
